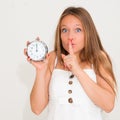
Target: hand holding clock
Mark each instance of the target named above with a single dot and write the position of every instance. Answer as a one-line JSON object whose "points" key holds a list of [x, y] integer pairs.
{"points": [[37, 53]]}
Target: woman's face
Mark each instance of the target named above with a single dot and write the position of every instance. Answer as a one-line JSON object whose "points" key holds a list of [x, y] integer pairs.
{"points": [[72, 30]]}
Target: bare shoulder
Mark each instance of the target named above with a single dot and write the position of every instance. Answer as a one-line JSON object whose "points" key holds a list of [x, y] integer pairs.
{"points": [[52, 56], [52, 53]]}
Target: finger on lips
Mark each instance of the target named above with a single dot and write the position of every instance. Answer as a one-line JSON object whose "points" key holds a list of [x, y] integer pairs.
{"points": [[66, 58], [70, 47]]}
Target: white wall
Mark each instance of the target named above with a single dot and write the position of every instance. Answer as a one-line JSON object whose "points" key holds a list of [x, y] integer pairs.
{"points": [[22, 20]]}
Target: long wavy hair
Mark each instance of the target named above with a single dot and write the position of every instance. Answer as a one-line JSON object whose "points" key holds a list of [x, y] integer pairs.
{"points": [[91, 53]]}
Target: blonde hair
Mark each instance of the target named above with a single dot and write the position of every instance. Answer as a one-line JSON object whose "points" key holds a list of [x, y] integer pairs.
{"points": [[93, 49]]}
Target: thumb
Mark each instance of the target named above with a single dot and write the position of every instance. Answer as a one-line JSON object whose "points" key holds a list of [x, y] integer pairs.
{"points": [[47, 56], [63, 56]]}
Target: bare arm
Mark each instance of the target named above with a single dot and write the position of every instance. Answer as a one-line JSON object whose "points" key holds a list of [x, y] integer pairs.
{"points": [[39, 93], [40, 89], [100, 93]]}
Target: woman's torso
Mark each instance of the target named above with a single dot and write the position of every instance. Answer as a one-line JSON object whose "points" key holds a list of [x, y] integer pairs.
{"points": [[67, 98]]}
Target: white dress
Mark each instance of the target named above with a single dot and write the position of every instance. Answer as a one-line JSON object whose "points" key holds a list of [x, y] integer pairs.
{"points": [[68, 100]]}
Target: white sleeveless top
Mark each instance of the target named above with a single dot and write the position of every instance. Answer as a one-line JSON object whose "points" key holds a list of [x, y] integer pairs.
{"points": [[68, 100]]}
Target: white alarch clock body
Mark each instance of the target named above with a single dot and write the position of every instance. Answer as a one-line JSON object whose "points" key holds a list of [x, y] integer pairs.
{"points": [[37, 50]]}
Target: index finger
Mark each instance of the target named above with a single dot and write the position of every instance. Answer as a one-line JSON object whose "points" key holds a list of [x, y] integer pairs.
{"points": [[70, 48]]}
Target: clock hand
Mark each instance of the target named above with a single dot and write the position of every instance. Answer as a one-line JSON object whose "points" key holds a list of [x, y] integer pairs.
{"points": [[36, 48]]}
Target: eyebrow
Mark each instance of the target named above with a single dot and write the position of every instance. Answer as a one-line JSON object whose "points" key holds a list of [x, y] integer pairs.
{"points": [[78, 25], [74, 25], [63, 26]]}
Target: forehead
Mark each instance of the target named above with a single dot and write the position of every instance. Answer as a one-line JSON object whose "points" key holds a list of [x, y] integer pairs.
{"points": [[70, 20]]}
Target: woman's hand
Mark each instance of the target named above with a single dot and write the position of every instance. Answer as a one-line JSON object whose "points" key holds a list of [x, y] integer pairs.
{"points": [[70, 60], [39, 65]]}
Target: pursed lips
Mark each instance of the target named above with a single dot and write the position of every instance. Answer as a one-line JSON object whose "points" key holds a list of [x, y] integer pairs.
{"points": [[73, 44]]}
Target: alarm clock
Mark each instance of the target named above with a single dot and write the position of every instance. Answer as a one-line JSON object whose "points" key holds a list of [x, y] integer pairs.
{"points": [[37, 50]]}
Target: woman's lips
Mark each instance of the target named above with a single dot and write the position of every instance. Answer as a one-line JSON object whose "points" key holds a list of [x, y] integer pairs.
{"points": [[73, 45]]}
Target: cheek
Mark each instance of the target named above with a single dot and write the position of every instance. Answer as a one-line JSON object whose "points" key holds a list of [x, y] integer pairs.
{"points": [[80, 44], [65, 44], [82, 41]]}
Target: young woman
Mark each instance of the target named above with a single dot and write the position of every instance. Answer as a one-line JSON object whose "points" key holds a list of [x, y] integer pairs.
{"points": [[76, 80]]}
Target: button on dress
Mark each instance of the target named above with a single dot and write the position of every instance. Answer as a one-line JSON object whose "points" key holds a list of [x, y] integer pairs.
{"points": [[68, 100]]}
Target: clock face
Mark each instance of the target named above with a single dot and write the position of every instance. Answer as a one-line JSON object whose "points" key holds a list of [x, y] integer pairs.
{"points": [[37, 50]]}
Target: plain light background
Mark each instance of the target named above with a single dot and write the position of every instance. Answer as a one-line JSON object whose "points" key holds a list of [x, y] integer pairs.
{"points": [[22, 20]]}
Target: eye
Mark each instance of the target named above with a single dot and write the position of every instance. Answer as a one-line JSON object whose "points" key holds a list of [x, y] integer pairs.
{"points": [[64, 30], [78, 30]]}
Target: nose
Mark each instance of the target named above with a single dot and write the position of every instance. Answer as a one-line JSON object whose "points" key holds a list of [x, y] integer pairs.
{"points": [[70, 40], [70, 36]]}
